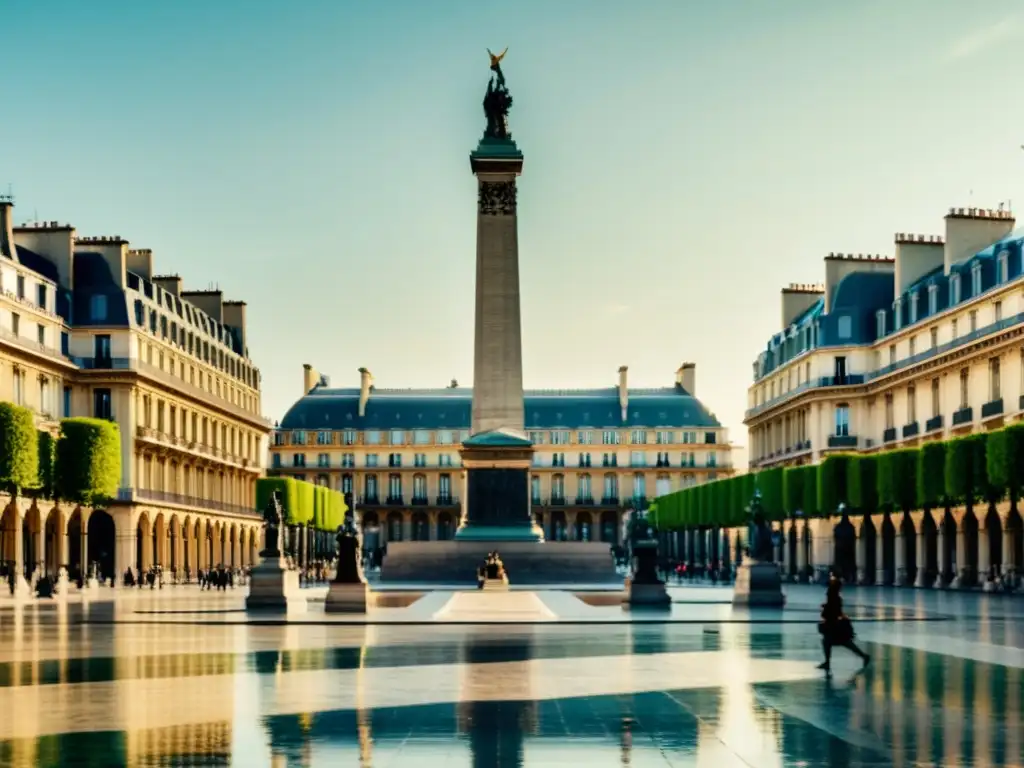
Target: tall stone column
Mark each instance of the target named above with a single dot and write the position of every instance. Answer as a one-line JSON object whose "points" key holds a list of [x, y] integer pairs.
{"points": [[497, 455]]}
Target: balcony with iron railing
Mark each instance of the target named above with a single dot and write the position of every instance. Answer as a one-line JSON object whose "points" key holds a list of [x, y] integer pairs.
{"points": [[137, 495], [963, 416], [934, 423], [150, 435], [842, 441]]}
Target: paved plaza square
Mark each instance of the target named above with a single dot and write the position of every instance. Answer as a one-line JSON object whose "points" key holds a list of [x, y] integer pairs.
{"points": [[175, 678]]}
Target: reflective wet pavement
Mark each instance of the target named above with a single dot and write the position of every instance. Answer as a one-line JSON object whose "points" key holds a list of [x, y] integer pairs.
{"points": [[946, 692]]}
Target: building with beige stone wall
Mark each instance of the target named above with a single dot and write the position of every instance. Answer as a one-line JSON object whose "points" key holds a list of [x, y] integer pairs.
{"points": [[87, 328], [895, 351], [598, 452]]}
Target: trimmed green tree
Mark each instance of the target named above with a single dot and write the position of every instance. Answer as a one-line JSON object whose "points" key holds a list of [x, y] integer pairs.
{"points": [[897, 479], [862, 483], [793, 489], [810, 482], [832, 483], [88, 461], [931, 476], [47, 465], [1004, 457], [19, 449], [769, 482]]}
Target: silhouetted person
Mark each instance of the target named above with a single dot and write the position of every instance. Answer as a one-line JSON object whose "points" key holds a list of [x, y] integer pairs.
{"points": [[836, 627]]}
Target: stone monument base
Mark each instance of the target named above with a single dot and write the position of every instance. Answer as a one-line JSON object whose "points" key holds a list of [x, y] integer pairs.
{"points": [[347, 598], [272, 587], [496, 585], [758, 584], [647, 596], [527, 563]]}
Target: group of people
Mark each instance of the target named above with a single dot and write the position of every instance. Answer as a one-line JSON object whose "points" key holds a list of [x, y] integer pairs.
{"points": [[492, 568]]}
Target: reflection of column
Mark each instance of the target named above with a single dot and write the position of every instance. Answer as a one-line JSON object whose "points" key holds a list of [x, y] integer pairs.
{"points": [[862, 551], [961, 549], [496, 727], [801, 548]]}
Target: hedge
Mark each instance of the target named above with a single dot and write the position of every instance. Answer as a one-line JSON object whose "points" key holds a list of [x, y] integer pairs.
{"points": [[88, 468], [19, 449], [303, 502], [982, 466]]}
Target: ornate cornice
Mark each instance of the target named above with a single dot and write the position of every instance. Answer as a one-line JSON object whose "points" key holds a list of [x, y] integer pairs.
{"points": [[497, 198]]}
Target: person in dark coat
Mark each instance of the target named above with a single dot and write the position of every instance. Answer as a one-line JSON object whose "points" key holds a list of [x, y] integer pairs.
{"points": [[835, 626]]}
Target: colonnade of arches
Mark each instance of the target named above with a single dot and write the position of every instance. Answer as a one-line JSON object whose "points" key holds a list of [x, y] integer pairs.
{"points": [[40, 539], [186, 544], [957, 547]]}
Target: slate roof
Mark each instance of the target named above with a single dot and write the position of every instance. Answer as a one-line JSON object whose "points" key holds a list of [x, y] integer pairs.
{"points": [[326, 408], [861, 295], [93, 277]]}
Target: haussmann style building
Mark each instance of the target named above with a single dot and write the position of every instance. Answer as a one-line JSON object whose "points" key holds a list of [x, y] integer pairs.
{"points": [[598, 453], [893, 352], [87, 328]]}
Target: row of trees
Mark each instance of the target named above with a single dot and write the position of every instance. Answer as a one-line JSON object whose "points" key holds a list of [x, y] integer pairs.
{"points": [[303, 503], [978, 468], [81, 466]]}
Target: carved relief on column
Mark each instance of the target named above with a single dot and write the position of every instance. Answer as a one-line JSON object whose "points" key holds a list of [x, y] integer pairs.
{"points": [[497, 198]]}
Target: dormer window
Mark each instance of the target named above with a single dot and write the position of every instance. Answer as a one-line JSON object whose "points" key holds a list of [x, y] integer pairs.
{"points": [[954, 289], [913, 308], [976, 278], [844, 327], [933, 299], [1003, 267], [897, 314], [98, 308], [880, 323]]}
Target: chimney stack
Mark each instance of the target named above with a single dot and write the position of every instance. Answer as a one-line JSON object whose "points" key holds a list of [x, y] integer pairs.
{"points": [[234, 319], [310, 377], [686, 378], [56, 242], [140, 261], [7, 249], [969, 230], [365, 384], [623, 392], [797, 298], [916, 256], [839, 265]]}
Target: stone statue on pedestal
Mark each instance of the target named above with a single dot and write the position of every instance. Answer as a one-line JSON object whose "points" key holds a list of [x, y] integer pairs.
{"points": [[644, 588], [349, 567], [497, 101], [349, 592], [760, 533], [273, 519]]}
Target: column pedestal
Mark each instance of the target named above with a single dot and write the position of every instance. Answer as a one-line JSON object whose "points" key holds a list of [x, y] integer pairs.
{"points": [[497, 492]]}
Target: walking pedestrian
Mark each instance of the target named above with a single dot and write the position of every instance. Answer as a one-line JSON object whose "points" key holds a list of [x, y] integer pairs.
{"points": [[836, 628]]}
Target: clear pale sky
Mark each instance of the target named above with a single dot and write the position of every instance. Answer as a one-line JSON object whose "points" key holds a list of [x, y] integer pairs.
{"points": [[684, 161]]}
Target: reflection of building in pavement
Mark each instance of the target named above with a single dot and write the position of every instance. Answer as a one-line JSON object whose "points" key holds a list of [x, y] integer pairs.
{"points": [[165, 726]]}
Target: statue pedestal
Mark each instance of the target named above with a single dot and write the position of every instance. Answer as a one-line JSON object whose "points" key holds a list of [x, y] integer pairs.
{"points": [[758, 584], [272, 587], [499, 584], [347, 598], [645, 589]]}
